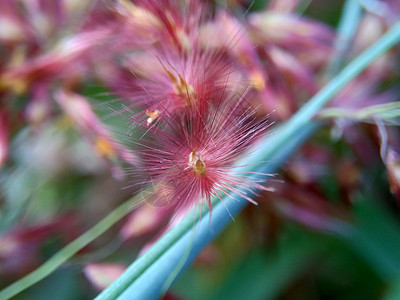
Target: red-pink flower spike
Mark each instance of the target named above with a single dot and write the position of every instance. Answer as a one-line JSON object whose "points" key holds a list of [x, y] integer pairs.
{"points": [[177, 73], [176, 83], [195, 117], [191, 157]]}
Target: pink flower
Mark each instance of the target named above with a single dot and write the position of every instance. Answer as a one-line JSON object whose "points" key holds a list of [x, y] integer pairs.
{"points": [[190, 156], [175, 82], [189, 100], [20, 247], [144, 220], [174, 72], [102, 275]]}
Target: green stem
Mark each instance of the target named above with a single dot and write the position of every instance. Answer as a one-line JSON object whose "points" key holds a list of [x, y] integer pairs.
{"points": [[345, 32], [72, 248]]}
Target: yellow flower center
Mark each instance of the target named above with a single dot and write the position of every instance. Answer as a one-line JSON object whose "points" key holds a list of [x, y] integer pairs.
{"points": [[196, 162]]}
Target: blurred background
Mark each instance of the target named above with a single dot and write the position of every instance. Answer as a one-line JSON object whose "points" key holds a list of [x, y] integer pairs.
{"points": [[330, 230]]}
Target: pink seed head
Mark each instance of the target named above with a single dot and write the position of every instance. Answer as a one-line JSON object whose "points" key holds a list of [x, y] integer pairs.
{"points": [[193, 112], [190, 157]]}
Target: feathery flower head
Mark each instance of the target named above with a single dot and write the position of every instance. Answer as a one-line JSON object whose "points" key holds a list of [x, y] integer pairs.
{"points": [[189, 100], [178, 83], [178, 72], [187, 158]]}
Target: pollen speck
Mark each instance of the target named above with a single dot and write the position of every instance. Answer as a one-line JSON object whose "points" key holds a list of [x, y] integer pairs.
{"points": [[196, 162], [181, 87], [258, 81], [152, 116], [104, 148]]}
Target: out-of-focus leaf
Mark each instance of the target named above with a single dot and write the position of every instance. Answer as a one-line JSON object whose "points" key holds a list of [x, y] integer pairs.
{"points": [[264, 275], [64, 284], [388, 112], [341, 274], [393, 292], [376, 238]]}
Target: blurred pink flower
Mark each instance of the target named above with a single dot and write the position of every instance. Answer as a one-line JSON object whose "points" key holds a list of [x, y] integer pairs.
{"points": [[48, 46], [144, 220], [20, 247], [79, 110], [101, 275]]}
